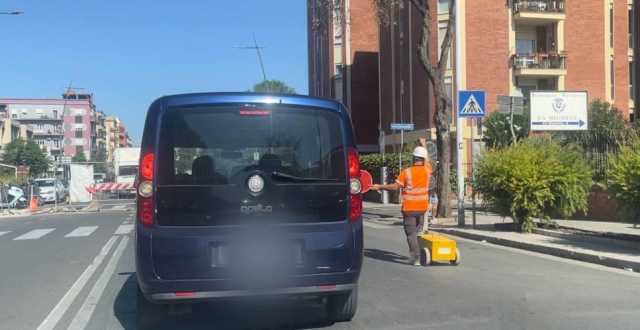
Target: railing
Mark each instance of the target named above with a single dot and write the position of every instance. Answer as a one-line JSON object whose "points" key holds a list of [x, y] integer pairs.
{"points": [[538, 6], [539, 61], [47, 132]]}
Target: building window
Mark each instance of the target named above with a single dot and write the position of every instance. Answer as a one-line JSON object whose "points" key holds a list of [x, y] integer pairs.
{"points": [[443, 6], [442, 32], [525, 46], [78, 132], [632, 79], [79, 149], [613, 78], [611, 25], [55, 114], [78, 119]]}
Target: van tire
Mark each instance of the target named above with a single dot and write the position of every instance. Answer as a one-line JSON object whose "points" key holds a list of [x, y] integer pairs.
{"points": [[342, 307], [148, 315]]}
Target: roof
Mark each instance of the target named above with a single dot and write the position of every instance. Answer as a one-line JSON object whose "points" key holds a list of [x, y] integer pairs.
{"points": [[210, 98]]}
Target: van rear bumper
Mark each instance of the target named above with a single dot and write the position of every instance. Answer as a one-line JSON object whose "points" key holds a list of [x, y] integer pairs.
{"points": [[172, 291], [228, 294]]}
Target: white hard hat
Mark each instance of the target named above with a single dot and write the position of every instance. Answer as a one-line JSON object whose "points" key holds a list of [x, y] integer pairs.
{"points": [[421, 152]]}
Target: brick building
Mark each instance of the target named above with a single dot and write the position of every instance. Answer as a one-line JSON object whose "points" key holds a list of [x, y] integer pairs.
{"points": [[343, 62]]}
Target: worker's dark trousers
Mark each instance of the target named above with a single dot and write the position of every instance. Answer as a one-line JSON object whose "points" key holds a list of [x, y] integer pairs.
{"points": [[413, 223]]}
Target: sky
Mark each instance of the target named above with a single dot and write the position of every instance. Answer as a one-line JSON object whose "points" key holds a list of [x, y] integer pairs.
{"points": [[130, 52]]}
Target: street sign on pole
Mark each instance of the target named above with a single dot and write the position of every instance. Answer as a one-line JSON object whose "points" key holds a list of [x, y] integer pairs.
{"points": [[507, 104], [402, 126], [559, 111], [471, 104]]}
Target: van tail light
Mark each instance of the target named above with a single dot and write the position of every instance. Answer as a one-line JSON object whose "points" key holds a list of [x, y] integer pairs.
{"points": [[146, 202], [355, 186]]}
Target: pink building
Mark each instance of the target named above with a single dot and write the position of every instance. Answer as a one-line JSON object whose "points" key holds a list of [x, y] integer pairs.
{"points": [[62, 127]]}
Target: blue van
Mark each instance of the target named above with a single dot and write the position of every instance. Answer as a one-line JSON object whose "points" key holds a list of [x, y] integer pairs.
{"points": [[245, 195]]}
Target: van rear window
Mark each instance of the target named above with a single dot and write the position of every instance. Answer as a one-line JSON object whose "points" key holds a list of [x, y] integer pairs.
{"points": [[215, 145]]}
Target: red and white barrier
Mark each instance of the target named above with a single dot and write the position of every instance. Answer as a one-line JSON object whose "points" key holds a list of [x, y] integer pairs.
{"points": [[109, 186]]}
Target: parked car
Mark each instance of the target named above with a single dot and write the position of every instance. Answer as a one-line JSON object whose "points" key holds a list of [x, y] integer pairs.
{"points": [[51, 190], [243, 195], [99, 177]]}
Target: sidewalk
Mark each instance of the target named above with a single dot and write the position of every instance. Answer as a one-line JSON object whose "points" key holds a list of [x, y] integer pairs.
{"points": [[610, 244]]}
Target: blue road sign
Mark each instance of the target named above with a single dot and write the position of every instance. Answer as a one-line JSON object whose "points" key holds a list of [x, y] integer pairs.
{"points": [[471, 103], [402, 127]]}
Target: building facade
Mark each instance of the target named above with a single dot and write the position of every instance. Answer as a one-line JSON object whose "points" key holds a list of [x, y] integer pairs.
{"points": [[343, 62]]}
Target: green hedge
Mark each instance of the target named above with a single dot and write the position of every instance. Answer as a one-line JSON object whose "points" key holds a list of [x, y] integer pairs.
{"points": [[373, 162], [624, 180], [534, 178]]}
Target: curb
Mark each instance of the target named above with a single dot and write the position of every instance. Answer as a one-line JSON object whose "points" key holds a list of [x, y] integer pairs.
{"points": [[554, 251]]}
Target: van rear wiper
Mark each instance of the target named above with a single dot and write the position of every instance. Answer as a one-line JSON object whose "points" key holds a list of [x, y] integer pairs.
{"points": [[280, 175]]}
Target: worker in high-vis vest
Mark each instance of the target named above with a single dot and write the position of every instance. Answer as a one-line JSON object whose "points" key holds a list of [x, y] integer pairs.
{"points": [[414, 185]]}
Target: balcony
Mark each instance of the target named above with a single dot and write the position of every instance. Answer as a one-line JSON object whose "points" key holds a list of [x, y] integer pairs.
{"points": [[539, 64], [539, 10], [48, 132]]}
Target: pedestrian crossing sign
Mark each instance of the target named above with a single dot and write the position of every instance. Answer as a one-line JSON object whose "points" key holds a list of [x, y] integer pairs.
{"points": [[471, 103]]}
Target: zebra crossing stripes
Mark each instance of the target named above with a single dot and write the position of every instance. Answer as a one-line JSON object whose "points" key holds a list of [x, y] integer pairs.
{"points": [[4, 232], [34, 234], [82, 231]]}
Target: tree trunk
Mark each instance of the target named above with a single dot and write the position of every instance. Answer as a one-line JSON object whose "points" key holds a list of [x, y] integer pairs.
{"points": [[442, 102]]}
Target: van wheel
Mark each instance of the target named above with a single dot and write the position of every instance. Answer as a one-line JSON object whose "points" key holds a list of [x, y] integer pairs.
{"points": [[149, 315], [342, 307]]}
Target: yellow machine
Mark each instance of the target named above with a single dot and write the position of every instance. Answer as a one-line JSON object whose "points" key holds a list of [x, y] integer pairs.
{"points": [[437, 248]]}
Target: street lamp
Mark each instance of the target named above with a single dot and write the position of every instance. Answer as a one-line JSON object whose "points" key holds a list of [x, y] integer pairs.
{"points": [[14, 13]]}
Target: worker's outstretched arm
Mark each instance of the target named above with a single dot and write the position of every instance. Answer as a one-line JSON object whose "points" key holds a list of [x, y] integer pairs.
{"points": [[391, 186]]}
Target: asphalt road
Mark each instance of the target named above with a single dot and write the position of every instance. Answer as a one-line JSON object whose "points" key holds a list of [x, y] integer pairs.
{"points": [[76, 271]]}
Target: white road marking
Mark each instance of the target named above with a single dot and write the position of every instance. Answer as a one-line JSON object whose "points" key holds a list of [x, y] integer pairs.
{"points": [[4, 232], [34, 234], [123, 229], [82, 231], [119, 207], [58, 311], [85, 312], [543, 256]]}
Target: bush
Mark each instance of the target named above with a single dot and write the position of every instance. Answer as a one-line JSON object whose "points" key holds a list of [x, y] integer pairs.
{"points": [[497, 132], [624, 180], [373, 162], [608, 133], [533, 178]]}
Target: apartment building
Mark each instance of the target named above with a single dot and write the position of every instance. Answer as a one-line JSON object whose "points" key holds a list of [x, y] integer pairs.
{"points": [[343, 62]]}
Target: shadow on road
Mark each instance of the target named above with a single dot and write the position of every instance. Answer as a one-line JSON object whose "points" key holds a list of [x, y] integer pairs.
{"points": [[385, 256], [290, 314]]}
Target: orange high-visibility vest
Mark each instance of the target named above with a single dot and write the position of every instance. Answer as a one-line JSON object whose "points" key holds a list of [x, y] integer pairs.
{"points": [[415, 188]]}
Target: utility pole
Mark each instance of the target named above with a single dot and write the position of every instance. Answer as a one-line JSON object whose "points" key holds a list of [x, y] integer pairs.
{"points": [[459, 136], [258, 50]]}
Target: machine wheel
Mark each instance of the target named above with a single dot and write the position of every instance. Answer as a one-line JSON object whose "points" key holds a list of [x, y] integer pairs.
{"points": [[149, 315], [342, 307], [425, 257], [456, 261]]}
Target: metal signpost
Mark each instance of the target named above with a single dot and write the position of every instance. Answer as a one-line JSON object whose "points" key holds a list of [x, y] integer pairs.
{"points": [[511, 105], [471, 104], [402, 127], [559, 111]]}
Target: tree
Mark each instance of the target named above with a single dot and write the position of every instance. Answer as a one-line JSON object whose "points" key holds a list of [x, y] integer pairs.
{"points": [[28, 153], [100, 157], [273, 86], [435, 76], [608, 133], [497, 132], [79, 158]]}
